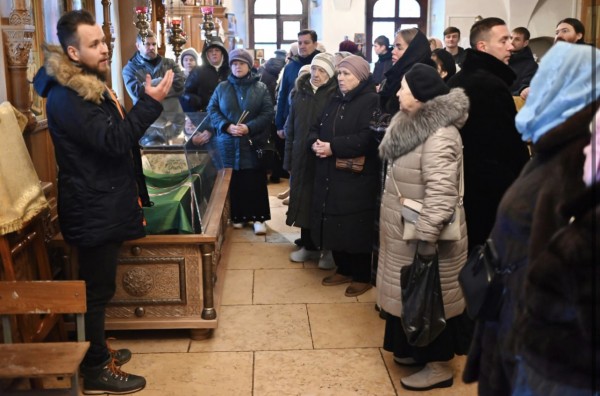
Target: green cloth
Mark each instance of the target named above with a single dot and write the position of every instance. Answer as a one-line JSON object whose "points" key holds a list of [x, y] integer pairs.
{"points": [[172, 212]]}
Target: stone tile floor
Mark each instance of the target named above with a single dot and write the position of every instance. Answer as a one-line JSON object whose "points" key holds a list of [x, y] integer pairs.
{"points": [[280, 332]]}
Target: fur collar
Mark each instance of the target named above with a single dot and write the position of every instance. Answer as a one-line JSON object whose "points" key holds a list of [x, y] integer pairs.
{"points": [[406, 132], [68, 74]]}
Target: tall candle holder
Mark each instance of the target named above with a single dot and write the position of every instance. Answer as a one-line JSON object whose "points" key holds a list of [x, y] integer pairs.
{"points": [[208, 25], [176, 38], [141, 23]]}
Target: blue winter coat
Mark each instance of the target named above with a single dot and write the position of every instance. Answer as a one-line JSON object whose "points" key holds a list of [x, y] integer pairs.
{"points": [[99, 166], [229, 100]]}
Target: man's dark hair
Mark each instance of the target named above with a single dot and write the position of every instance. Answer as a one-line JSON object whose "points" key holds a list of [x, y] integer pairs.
{"points": [[481, 29], [450, 30], [383, 40], [522, 31], [577, 25], [313, 34], [66, 28]]}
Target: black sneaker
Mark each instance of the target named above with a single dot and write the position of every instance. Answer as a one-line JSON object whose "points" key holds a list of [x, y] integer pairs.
{"points": [[109, 379], [120, 356]]}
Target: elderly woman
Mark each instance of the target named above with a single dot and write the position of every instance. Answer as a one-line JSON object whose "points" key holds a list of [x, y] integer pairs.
{"points": [[308, 99], [344, 199], [526, 220], [423, 149], [410, 47], [239, 136]]}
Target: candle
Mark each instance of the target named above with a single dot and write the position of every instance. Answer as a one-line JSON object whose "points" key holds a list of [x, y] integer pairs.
{"points": [[141, 10]]}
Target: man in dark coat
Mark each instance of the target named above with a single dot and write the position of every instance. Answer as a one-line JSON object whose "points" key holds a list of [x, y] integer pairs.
{"points": [[382, 48], [307, 49], [203, 80], [100, 181], [451, 39], [493, 150], [521, 61]]}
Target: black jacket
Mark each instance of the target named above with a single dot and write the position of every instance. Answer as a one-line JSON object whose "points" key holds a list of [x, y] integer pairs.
{"points": [[305, 112], [494, 153], [524, 66], [344, 203], [99, 165], [383, 64], [269, 74], [203, 80]]}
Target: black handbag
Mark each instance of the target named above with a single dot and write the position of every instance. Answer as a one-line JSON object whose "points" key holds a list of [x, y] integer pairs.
{"points": [[481, 282], [423, 317], [265, 155]]}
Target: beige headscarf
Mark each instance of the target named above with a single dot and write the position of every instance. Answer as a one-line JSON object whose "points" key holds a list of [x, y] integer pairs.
{"points": [[21, 196]]}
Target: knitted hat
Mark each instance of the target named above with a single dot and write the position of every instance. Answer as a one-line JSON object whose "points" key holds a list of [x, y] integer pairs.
{"points": [[241, 55], [425, 83], [280, 54], [349, 46], [447, 60], [325, 61], [304, 69], [188, 52], [357, 66], [338, 56], [294, 49]]}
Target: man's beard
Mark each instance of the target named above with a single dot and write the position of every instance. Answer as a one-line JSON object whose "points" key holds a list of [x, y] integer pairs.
{"points": [[94, 71]]}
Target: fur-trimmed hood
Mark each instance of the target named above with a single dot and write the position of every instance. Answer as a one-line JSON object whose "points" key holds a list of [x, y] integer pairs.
{"points": [[60, 69], [406, 132]]}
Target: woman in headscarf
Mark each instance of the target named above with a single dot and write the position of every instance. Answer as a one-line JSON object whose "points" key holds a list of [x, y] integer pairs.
{"points": [[558, 349], [556, 119], [344, 200], [410, 47], [423, 149], [238, 138]]}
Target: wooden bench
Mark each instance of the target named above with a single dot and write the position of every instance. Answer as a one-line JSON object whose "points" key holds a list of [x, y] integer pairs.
{"points": [[43, 359]]}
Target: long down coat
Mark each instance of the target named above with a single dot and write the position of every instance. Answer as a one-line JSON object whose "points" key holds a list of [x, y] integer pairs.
{"points": [[424, 153], [299, 159], [344, 203]]}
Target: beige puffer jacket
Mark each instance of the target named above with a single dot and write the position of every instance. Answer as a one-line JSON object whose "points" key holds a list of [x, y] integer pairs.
{"points": [[424, 154]]}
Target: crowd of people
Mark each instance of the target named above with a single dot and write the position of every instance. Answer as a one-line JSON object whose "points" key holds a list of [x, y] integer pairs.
{"points": [[454, 144]]}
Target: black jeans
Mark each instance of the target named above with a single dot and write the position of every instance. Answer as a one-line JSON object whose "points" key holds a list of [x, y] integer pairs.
{"points": [[307, 241], [98, 268], [356, 265]]}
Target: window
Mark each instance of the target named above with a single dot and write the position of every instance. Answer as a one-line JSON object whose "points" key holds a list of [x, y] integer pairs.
{"points": [[386, 17], [274, 24]]}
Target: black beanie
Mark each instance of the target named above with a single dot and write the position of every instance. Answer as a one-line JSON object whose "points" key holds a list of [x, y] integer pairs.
{"points": [[425, 83]]}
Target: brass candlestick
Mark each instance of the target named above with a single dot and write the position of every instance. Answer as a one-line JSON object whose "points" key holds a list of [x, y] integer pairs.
{"points": [[208, 25], [176, 39], [141, 23]]}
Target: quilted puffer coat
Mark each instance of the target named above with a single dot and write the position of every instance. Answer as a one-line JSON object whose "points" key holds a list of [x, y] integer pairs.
{"points": [[424, 153]]}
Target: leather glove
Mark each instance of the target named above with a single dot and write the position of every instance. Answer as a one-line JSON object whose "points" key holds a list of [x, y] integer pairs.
{"points": [[426, 250]]}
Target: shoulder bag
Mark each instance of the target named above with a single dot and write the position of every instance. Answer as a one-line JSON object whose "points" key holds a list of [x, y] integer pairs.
{"points": [[411, 209], [481, 282]]}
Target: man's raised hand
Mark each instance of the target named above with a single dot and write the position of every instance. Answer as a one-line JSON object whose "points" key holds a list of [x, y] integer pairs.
{"points": [[162, 89]]}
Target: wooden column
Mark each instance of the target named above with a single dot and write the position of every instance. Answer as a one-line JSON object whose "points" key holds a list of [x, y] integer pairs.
{"points": [[18, 36], [109, 33]]}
